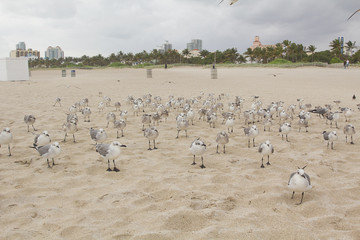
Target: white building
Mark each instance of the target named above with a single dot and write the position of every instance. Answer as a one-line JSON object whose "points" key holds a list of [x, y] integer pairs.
{"points": [[54, 53], [14, 69]]}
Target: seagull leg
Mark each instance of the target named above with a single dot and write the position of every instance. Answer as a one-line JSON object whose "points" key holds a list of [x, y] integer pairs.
{"points": [[194, 163], [117, 133], [253, 142], [109, 169], [186, 133], [107, 125], [202, 162], [178, 134], [65, 137], [115, 168], [351, 140], [224, 148], [154, 145], [33, 127], [328, 145], [302, 196], [346, 138], [268, 162], [122, 133], [48, 163], [332, 145], [262, 163], [282, 136], [28, 129], [249, 143], [217, 148], [149, 146], [74, 137], [293, 195], [53, 162], [9, 150], [287, 138]]}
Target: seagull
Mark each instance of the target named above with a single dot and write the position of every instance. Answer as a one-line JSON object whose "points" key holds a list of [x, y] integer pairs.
{"points": [[110, 152], [299, 182], [198, 147], [347, 19], [30, 120], [110, 117], [221, 138], [330, 137], [234, 1], [70, 127], [285, 129], [42, 139], [6, 138], [98, 135], [266, 149], [349, 129], [151, 133], [119, 124], [49, 151], [57, 100], [251, 132]]}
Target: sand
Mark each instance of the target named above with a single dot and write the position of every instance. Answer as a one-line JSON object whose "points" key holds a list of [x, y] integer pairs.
{"points": [[158, 194]]}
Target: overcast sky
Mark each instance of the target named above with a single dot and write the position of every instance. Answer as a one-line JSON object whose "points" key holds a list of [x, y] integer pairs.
{"points": [[91, 27]]}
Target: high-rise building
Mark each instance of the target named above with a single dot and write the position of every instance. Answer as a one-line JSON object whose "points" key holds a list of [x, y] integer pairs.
{"points": [[166, 46], [21, 46], [195, 44], [54, 53], [22, 52]]}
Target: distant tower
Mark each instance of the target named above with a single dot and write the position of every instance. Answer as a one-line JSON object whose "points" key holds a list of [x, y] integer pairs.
{"points": [[167, 46], [341, 40], [194, 44], [54, 53], [21, 46]]}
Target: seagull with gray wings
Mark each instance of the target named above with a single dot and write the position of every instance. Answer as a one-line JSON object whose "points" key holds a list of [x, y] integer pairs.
{"points": [[110, 152]]}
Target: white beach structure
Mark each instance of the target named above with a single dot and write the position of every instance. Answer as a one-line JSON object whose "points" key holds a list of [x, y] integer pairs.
{"points": [[14, 69]]}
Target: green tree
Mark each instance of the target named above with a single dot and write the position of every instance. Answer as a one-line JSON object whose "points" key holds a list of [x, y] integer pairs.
{"points": [[335, 47], [349, 47], [312, 49]]}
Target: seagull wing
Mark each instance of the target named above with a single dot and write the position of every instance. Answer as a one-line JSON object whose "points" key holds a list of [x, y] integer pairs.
{"points": [[103, 149], [44, 149], [353, 14], [233, 1]]}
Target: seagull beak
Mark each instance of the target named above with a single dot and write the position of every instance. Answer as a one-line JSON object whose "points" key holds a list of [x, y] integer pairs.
{"points": [[304, 167], [122, 145]]}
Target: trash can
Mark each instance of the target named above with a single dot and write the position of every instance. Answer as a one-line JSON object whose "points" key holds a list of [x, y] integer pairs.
{"points": [[149, 73], [73, 73], [63, 73], [214, 73]]}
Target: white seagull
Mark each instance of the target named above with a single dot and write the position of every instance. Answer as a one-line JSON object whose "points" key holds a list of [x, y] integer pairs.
{"points": [[198, 147], [30, 120], [49, 151], [251, 132], [151, 133], [98, 135], [266, 149], [221, 138], [42, 139], [349, 129], [330, 137], [6, 138], [110, 152], [299, 182], [285, 129]]}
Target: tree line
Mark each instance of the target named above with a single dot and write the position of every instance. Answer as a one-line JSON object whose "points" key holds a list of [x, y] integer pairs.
{"points": [[287, 50]]}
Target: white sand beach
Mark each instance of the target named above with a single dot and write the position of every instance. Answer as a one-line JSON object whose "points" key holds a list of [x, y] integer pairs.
{"points": [[158, 194]]}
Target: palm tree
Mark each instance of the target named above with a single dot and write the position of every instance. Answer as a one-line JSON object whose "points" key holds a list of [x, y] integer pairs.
{"points": [[250, 54], [349, 47], [335, 47], [287, 45], [312, 49], [186, 52]]}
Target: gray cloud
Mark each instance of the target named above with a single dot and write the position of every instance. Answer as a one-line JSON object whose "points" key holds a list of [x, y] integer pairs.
{"points": [[105, 26]]}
